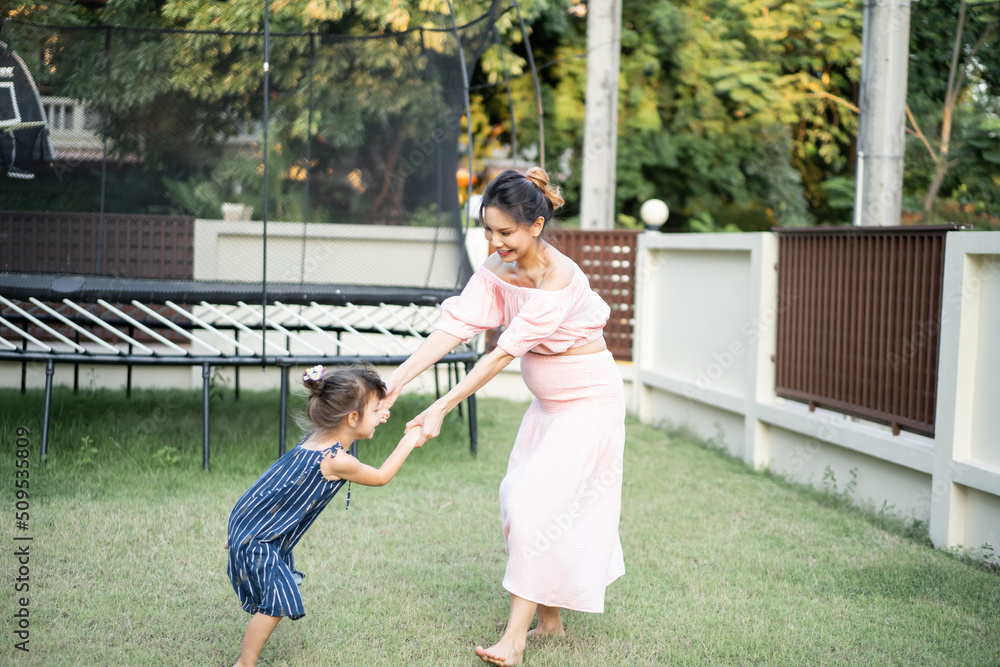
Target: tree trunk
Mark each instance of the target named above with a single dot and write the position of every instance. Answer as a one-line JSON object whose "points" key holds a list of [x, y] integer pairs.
{"points": [[950, 99], [940, 171]]}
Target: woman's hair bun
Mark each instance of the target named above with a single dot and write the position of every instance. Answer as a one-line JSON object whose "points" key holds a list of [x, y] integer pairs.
{"points": [[540, 178]]}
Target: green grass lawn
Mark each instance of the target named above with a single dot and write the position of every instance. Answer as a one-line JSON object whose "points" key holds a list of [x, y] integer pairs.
{"points": [[725, 566]]}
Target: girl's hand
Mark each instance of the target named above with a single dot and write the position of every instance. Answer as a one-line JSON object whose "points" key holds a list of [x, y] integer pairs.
{"points": [[413, 439], [429, 422]]}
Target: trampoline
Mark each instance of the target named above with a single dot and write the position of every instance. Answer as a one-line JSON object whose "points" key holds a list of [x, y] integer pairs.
{"points": [[358, 273]]}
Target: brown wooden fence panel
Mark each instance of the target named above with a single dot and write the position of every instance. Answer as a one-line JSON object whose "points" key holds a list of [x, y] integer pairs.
{"points": [[608, 259], [858, 323], [134, 246]]}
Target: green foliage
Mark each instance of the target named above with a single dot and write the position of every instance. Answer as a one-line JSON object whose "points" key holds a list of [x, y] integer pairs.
{"points": [[166, 456], [706, 92], [733, 110], [85, 454], [963, 130]]}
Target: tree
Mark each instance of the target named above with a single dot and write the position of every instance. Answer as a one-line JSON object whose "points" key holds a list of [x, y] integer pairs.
{"points": [[973, 78], [384, 108], [709, 90]]}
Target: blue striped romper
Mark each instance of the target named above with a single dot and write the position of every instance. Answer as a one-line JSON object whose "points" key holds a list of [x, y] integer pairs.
{"points": [[268, 521]]}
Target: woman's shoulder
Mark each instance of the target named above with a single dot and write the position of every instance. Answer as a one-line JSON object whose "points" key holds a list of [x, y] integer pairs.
{"points": [[563, 272]]}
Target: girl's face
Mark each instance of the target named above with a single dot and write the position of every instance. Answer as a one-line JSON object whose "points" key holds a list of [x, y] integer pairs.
{"points": [[509, 239], [369, 419]]}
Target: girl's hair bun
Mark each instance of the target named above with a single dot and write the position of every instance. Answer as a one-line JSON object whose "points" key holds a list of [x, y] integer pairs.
{"points": [[315, 386], [540, 178], [314, 380]]}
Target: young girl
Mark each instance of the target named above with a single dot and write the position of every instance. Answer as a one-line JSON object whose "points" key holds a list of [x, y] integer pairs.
{"points": [[274, 513]]}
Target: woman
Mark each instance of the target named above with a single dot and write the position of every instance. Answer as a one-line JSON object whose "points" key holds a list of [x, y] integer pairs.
{"points": [[561, 498]]}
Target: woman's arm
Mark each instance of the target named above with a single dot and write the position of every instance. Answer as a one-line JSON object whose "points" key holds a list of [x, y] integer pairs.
{"points": [[488, 367], [430, 352], [347, 467]]}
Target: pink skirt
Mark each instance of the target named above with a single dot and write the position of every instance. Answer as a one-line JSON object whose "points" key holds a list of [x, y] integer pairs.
{"points": [[560, 501]]}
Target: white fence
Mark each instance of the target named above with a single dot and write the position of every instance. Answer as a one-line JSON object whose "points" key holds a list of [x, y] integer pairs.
{"points": [[706, 317]]}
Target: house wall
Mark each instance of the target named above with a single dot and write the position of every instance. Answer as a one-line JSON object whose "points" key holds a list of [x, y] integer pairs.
{"points": [[706, 335]]}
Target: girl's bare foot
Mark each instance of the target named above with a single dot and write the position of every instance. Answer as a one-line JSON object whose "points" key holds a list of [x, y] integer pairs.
{"points": [[502, 653]]}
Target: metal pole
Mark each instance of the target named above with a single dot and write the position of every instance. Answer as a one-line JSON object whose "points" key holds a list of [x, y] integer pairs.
{"points": [[510, 95], [50, 369], [128, 368], [283, 419], [457, 380], [309, 123], [76, 369], [473, 422], [538, 87], [236, 335], [206, 375], [104, 154], [468, 110], [267, 67]]}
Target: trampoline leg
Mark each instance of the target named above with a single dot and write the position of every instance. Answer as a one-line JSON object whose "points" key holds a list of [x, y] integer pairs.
{"points": [[206, 376], [128, 372], [24, 368], [457, 380], [236, 335], [284, 411], [473, 422], [76, 370], [50, 369]]}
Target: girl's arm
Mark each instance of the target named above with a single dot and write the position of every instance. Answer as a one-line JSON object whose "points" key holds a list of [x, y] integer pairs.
{"points": [[430, 351], [430, 419], [345, 466]]}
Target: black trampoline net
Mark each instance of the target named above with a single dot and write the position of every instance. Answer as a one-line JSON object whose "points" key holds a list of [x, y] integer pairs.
{"points": [[159, 154]]}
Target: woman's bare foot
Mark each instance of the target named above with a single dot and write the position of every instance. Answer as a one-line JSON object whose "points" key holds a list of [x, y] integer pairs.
{"points": [[549, 623], [546, 631], [502, 653]]}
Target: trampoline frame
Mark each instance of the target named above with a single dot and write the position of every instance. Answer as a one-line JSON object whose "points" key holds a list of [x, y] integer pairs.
{"points": [[110, 293]]}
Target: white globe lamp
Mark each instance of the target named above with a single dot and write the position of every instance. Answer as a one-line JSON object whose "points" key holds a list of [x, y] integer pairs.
{"points": [[654, 213]]}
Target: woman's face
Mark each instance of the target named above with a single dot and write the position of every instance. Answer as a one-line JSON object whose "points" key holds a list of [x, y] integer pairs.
{"points": [[509, 239]]}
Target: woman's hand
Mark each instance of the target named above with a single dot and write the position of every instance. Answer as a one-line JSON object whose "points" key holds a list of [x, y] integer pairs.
{"points": [[429, 421], [392, 389]]}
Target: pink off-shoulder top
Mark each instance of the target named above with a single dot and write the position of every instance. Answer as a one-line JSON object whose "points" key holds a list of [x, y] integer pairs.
{"points": [[536, 320]]}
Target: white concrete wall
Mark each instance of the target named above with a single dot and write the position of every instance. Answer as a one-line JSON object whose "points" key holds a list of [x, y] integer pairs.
{"points": [[335, 254], [706, 316]]}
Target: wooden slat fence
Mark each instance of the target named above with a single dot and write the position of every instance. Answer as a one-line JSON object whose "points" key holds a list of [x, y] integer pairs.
{"points": [[134, 246], [608, 259], [858, 321]]}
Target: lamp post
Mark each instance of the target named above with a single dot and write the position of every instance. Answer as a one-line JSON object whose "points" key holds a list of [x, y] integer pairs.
{"points": [[654, 213]]}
